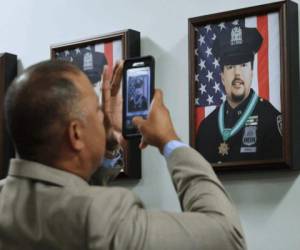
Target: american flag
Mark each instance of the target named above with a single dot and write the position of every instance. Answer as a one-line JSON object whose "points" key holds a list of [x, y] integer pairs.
{"points": [[112, 51], [209, 90]]}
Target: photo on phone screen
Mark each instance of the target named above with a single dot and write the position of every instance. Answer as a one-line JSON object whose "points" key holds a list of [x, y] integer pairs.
{"points": [[138, 94]]}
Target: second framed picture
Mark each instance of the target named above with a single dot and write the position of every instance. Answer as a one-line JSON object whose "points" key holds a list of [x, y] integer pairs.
{"points": [[244, 86], [91, 55]]}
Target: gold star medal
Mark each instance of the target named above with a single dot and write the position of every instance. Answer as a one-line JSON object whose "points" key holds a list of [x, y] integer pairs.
{"points": [[223, 148]]}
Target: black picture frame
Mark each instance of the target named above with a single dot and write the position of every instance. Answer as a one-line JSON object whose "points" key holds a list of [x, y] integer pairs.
{"points": [[289, 88], [8, 71], [114, 46]]}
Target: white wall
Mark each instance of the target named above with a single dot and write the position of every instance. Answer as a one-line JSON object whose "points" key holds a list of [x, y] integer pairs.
{"points": [[267, 200]]}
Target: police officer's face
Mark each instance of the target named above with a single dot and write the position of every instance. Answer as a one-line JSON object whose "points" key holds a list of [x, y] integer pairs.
{"points": [[138, 91], [237, 81]]}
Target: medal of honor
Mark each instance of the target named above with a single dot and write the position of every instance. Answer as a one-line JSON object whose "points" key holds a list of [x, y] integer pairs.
{"points": [[226, 133], [223, 148]]}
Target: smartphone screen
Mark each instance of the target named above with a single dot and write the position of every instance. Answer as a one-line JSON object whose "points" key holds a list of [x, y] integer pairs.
{"points": [[138, 89], [138, 94]]}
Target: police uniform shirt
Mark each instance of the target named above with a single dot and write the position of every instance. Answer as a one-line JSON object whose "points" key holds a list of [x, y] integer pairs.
{"points": [[259, 139], [140, 105]]}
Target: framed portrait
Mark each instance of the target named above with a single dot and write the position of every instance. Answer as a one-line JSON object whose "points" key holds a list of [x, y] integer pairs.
{"points": [[91, 55], [244, 87]]}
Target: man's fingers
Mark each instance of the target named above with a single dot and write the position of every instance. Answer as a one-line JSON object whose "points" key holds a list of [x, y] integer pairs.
{"points": [[115, 67], [158, 97], [117, 76], [105, 76], [138, 121], [106, 91], [107, 123]]}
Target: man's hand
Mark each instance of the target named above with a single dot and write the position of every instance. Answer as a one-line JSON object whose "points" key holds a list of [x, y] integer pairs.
{"points": [[111, 96], [158, 129], [112, 105]]}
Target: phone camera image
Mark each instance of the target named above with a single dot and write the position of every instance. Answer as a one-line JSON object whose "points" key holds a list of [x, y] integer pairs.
{"points": [[138, 94]]}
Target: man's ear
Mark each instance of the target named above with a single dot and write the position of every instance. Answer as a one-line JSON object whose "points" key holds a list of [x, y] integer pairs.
{"points": [[75, 134]]}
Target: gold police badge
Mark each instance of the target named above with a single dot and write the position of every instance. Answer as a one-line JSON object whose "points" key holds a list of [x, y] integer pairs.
{"points": [[223, 148]]}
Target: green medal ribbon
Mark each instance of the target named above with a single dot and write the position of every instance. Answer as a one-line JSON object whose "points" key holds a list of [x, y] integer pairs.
{"points": [[229, 132]]}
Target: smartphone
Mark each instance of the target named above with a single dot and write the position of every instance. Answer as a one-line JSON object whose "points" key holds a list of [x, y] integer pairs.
{"points": [[138, 90]]}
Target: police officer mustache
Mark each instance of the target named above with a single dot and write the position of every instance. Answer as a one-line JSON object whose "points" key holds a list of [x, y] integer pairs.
{"points": [[237, 83]]}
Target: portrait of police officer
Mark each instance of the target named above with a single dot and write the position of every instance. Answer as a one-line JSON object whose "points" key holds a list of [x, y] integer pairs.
{"points": [[245, 126], [137, 101], [92, 63], [89, 60]]}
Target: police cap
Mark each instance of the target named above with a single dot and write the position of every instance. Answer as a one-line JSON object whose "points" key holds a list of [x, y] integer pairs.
{"points": [[138, 83], [237, 45]]}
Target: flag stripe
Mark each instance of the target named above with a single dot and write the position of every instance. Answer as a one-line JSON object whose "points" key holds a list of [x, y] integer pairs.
{"points": [[251, 22], [117, 55], [274, 59], [99, 47], [108, 51], [263, 58], [201, 113], [199, 116], [117, 48]]}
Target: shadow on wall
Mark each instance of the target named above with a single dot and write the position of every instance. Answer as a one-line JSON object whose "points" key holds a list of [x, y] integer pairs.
{"points": [[149, 47], [169, 64], [264, 188], [171, 75]]}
